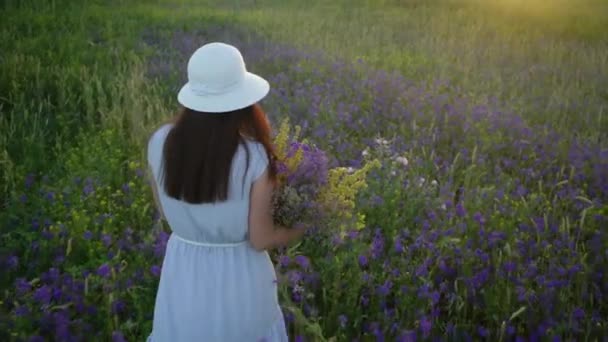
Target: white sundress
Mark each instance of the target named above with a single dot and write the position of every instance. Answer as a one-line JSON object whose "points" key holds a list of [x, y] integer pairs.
{"points": [[214, 286]]}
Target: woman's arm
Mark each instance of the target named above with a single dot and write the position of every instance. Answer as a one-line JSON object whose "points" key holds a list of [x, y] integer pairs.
{"points": [[263, 234]]}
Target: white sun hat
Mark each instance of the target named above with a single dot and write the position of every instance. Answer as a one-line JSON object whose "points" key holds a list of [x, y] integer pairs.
{"points": [[219, 82]]}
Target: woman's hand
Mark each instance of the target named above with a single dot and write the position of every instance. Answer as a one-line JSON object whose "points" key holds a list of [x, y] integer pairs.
{"points": [[299, 230], [263, 233]]}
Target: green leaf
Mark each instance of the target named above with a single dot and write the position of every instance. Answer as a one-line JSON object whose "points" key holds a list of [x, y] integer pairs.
{"points": [[69, 247], [517, 313]]}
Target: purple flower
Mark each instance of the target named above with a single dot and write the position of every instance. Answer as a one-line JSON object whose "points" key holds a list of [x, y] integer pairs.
{"points": [[87, 235], [50, 196], [578, 314], [336, 240], [510, 330], [510, 266], [117, 336], [92, 310], [449, 328], [59, 260], [575, 269], [483, 332], [478, 217], [104, 271], [294, 277], [62, 325], [52, 275], [495, 237], [423, 291], [43, 294], [425, 326], [377, 200], [160, 244], [364, 300], [284, 260], [106, 239], [362, 260], [29, 180], [313, 166], [399, 246], [407, 336], [342, 319], [57, 293], [353, 234], [435, 296], [88, 189], [385, 289], [12, 262], [422, 270], [521, 191], [118, 306], [22, 311], [289, 317], [377, 245], [460, 211], [155, 270], [303, 261]]}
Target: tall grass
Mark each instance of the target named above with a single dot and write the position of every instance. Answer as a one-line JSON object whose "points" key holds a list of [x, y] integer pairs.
{"points": [[67, 69], [544, 59]]}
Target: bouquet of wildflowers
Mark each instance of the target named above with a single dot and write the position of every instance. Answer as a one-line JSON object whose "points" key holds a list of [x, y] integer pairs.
{"points": [[309, 191]]}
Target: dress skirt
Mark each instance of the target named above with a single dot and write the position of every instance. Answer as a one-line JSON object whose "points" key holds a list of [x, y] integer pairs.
{"points": [[216, 292]]}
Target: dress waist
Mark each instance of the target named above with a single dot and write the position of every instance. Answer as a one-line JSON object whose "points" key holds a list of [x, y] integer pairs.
{"points": [[210, 244]]}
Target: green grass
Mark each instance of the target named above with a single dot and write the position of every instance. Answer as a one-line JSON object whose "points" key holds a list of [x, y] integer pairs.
{"points": [[68, 69], [546, 60]]}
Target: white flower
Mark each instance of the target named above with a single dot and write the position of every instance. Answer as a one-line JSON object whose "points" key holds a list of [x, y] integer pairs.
{"points": [[365, 152], [350, 169], [421, 181], [443, 207], [402, 160], [381, 141], [393, 173], [434, 182]]}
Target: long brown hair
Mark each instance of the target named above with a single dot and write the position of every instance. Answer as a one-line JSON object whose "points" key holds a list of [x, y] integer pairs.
{"points": [[199, 149]]}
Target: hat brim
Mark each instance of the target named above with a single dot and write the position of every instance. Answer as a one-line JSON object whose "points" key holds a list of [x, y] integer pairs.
{"points": [[250, 91]]}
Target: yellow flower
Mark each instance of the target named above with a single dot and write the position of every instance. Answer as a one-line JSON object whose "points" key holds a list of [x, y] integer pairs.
{"points": [[341, 191], [282, 142]]}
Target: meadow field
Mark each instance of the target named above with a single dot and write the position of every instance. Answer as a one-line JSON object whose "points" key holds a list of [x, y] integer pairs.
{"points": [[487, 220]]}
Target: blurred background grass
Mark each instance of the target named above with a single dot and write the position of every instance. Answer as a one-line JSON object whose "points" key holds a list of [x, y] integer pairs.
{"points": [[68, 67], [543, 59]]}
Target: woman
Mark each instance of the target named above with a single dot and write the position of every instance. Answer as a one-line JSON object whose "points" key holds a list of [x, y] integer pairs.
{"points": [[213, 177]]}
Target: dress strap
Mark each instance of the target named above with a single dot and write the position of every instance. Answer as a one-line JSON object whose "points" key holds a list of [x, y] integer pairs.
{"points": [[209, 244]]}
